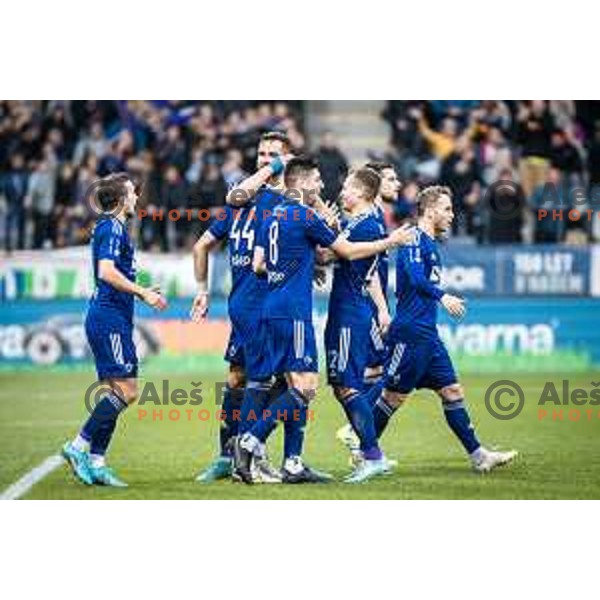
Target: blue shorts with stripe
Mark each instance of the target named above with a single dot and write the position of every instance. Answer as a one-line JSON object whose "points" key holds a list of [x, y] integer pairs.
{"points": [[347, 350], [110, 337], [291, 346], [378, 348], [418, 363], [246, 346]]}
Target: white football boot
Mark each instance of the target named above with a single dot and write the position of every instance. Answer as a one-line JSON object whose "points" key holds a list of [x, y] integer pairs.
{"points": [[484, 460]]}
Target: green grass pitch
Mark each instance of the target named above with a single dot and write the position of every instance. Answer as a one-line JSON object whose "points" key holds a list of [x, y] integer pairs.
{"points": [[159, 459]]}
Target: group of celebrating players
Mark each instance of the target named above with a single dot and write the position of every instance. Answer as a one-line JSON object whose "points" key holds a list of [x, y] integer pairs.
{"points": [[279, 234]]}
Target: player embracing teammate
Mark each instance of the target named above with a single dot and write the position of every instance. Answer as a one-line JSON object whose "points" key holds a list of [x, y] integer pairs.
{"points": [[276, 225], [249, 383], [285, 254]]}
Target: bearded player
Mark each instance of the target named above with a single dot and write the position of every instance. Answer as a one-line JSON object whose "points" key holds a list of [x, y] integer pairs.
{"points": [[247, 204]]}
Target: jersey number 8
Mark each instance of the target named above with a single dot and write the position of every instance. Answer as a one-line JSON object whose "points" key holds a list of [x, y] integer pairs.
{"points": [[273, 237]]}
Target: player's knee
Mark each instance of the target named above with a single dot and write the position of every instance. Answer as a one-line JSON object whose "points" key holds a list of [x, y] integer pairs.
{"points": [[451, 393], [236, 378], [394, 399], [373, 372], [306, 383], [127, 390], [342, 394]]}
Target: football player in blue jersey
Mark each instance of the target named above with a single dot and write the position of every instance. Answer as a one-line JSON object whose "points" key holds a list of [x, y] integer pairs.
{"points": [[418, 357], [285, 254], [248, 203], [355, 290], [380, 319], [109, 329]]}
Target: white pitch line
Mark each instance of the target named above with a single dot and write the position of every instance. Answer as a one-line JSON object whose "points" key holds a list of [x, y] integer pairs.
{"points": [[21, 487]]}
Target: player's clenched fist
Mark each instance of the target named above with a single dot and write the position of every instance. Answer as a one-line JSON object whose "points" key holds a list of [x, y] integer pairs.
{"points": [[454, 305]]}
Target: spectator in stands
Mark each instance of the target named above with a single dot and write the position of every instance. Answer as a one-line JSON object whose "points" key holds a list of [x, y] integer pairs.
{"points": [[494, 154], [40, 197], [194, 171], [405, 207], [535, 124], [64, 207], [473, 215], [94, 143], [505, 205], [171, 149], [549, 195], [593, 158], [232, 168], [567, 155], [460, 170], [173, 197], [14, 186], [332, 164], [208, 194]]}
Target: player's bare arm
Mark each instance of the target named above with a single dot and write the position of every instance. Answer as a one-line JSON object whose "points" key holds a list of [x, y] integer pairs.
{"points": [[375, 290], [202, 248], [242, 193], [111, 275], [356, 250], [272, 156], [328, 211]]}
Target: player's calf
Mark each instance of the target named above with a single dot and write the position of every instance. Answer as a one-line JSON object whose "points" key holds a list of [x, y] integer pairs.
{"points": [[459, 421], [87, 452], [457, 416], [360, 416], [384, 407]]}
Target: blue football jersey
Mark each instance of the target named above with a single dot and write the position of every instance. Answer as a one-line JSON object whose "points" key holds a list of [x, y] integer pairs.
{"points": [[241, 226], [418, 277], [111, 241], [350, 277], [289, 238]]}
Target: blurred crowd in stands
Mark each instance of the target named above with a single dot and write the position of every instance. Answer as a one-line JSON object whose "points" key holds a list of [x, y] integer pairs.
{"points": [[188, 153], [549, 150]]}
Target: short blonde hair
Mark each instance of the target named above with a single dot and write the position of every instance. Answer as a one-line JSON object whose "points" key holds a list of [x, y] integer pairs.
{"points": [[430, 195]]}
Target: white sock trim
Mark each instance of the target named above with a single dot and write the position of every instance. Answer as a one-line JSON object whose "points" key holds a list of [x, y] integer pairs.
{"points": [[80, 443], [98, 460]]}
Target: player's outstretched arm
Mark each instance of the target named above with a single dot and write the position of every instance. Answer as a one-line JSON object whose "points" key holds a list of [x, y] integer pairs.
{"points": [[202, 248], [111, 275], [244, 191], [355, 250]]}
